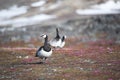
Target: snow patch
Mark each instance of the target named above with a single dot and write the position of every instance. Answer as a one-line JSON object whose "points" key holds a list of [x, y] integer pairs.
{"points": [[12, 11], [53, 6], [11, 29], [96, 12], [109, 7], [23, 21], [39, 3], [6, 29]]}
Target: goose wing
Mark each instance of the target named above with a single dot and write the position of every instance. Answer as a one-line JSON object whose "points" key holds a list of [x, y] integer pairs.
{"points": [[38, 51]]}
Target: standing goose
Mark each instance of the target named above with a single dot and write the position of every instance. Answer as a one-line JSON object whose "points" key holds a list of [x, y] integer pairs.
{"points": [[44, 51], [56, 41], [62, 42]]}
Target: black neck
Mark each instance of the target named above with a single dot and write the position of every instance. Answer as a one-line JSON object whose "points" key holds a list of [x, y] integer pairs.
{"points": [[57, 33], [63, 38], [46, 46], [46, 40]]}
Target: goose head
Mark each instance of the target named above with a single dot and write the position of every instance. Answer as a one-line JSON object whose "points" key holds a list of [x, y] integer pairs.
{"points": [[43, 36]]}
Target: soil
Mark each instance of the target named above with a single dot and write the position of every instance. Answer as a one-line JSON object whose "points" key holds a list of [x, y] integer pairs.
{"points": [[81, 61]]}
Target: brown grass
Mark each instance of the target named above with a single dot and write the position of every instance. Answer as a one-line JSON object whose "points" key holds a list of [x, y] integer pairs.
{"points": [[83, 61]]}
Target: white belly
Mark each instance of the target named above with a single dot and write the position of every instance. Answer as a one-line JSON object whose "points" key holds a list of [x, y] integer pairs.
{"points": [[43, 53], [62, 44]]}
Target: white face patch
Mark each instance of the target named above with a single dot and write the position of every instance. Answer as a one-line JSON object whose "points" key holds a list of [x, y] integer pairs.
{"points": [[44, 36]]}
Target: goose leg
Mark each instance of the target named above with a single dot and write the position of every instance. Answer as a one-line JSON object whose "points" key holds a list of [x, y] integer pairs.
{"points": [[44, 60]]}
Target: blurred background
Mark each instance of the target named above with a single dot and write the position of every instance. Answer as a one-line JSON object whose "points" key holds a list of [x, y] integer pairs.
{"points": [[92, 49], [84, 20]]}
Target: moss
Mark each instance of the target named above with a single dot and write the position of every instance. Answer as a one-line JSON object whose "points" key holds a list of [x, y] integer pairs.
{"points": [[82, 61]]}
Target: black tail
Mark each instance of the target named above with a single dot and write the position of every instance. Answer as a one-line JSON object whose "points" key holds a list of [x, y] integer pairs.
{"points": [[36, 55], [63, 38]]}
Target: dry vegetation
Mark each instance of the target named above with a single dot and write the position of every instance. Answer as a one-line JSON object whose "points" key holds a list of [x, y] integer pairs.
{"points": [[84, 61]]}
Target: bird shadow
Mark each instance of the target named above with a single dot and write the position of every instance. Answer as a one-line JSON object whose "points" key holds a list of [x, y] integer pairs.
{"points": [[32, 63]]}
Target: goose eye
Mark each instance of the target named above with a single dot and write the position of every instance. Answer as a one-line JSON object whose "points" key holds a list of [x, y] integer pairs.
{"points": [[44, 36]]}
